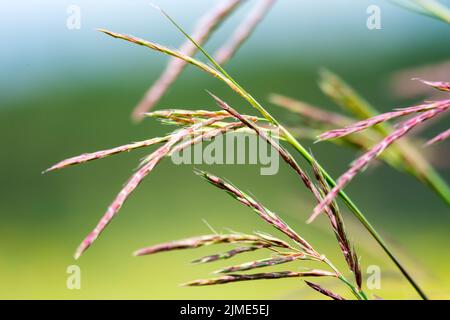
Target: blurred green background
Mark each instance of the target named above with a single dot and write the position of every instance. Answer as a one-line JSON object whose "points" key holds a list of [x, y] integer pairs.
{"points": [[65, 92]]}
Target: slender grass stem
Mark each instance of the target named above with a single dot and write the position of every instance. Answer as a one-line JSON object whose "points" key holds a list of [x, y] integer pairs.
{"points": [[218, 72]]}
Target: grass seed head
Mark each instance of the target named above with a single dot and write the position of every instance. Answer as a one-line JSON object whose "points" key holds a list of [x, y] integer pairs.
{"points": [[258, 276], [324, 291]]}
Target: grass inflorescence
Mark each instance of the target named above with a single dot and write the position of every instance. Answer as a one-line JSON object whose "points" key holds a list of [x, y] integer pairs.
{"points": [[365, 129]]}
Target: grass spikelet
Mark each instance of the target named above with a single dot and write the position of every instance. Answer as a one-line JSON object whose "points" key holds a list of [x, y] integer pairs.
{"points": [[258, 276], [135, 180], [207, 240], [272, 239], [228, 254], [309, 252], [228, 80], [344, 95], [176, 114], [207, 135], [218, 72], [262, 211], [414, 161], [363, 125], [359, 164], [205, 27], [177, 54], [429, 8], [439, 138], [324, 291], [310, 112], [442, 86], [243, 31], [287, 157], [337, 223]]}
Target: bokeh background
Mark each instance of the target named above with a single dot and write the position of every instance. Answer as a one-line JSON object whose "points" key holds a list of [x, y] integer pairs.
{"points": [[64, 92]]}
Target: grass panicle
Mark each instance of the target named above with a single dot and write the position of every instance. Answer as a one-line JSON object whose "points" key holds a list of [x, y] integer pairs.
{"points": [[317, 120], [363, 125], [285, 155], [310, 112], [430, 8], [324, 291], [337, 224], [221, 74], [363, 161], [263, 263], [229, 254], [442, 86], [439, 138]]}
